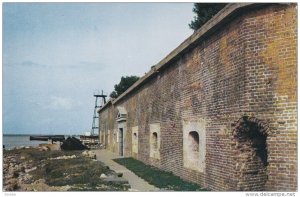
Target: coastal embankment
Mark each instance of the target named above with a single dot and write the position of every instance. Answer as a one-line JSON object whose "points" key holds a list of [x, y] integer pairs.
{"points": [[46, 168]]}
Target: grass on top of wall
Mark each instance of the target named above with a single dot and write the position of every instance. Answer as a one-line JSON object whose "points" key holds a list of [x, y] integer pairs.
{"points": [[158, 178]]}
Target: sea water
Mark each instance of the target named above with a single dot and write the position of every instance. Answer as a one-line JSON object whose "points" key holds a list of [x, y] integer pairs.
{"points": [[12, 141]]}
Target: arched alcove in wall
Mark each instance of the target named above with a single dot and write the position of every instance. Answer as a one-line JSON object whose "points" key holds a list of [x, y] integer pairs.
{"points": [[121, 124], [154, 141], [250, 135], [193, 141], [193, 149]]}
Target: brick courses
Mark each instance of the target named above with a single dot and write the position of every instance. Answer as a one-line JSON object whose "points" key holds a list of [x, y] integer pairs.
{"points": [[243, 64]]}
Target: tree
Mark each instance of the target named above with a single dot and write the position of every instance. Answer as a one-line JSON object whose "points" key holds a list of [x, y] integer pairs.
{"points": [[124, 84], [204, 11]]}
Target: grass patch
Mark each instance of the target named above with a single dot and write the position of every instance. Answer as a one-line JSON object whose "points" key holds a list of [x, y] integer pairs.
{"points": [[157, 177], [81, 173]]}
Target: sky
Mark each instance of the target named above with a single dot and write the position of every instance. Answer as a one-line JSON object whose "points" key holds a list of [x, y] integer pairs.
{"points": [[56, 55]]}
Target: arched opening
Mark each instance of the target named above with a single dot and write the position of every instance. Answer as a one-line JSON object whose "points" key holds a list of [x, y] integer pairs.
{"points": [[134, 141], [252, 154], [154, 141], [194, 141], [192, 150]]}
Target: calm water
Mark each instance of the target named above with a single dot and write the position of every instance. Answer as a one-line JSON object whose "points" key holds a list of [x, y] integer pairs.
{"points": [[11, 141]]}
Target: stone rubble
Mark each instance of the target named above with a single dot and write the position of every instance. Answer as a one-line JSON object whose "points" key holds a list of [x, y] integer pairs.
{"points": [[16, 174]]}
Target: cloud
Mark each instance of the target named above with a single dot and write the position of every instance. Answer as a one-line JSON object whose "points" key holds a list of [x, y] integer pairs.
{"points": [[24, 64], [81, 65], [60, 103], [86, 65], [52, 63], [30, 64]]}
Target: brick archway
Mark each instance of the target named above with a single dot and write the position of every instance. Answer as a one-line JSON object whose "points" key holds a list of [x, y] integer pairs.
{"points": [[250, 135]]}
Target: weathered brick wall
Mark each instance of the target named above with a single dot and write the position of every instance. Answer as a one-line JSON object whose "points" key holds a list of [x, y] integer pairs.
{"points": [[247, 68], [273, 87]]}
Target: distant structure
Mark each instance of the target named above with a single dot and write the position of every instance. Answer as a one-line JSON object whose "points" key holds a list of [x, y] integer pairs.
{"points": [[91, 138], [97, 95], [221, 109]]}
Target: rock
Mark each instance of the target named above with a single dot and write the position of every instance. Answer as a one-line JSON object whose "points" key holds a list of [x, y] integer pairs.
{"points": [[39, 181], [64, 157], [31, 169], [119, 174], [132, 190], [103, 176], [53, 146], [11, 185], [85, 153], [92, 154], [115, 180], [22, 158], [27, 179], [89, 154], [65, 188], [43, 148], [15, 174], [22, 169]]}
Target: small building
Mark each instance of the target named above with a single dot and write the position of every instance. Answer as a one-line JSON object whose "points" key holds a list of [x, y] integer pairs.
{"points": [[221, 109]]}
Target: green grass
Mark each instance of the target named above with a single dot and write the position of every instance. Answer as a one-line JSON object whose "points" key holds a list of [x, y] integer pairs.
{"points": [[157, 177], [81, 173]]}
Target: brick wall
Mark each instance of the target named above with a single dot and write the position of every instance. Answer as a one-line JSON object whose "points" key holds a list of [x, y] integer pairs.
{"points": [[238, 80]]}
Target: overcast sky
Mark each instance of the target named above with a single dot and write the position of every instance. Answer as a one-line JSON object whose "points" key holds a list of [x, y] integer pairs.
{"points": [[55, 55]]}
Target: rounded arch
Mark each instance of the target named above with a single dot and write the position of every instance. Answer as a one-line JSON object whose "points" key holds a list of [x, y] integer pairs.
{"points": [[193, 141], [250, 135], [240, 127], [154, 140]]}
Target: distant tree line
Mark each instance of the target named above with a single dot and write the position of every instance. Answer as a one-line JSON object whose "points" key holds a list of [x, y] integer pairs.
{"points": [[204, 12], [123, 85]]}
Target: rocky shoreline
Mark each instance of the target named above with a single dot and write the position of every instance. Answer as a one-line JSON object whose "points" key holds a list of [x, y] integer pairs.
{"points": [[48, 169], [16, 173]]}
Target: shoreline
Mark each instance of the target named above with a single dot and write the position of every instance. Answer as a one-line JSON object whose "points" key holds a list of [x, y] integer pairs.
{"points": [[38, 146], [17, 141], [47, 168]]}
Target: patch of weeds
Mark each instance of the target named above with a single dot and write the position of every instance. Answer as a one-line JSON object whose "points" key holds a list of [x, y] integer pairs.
{"points": [[81, 173], [157, 177]]}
